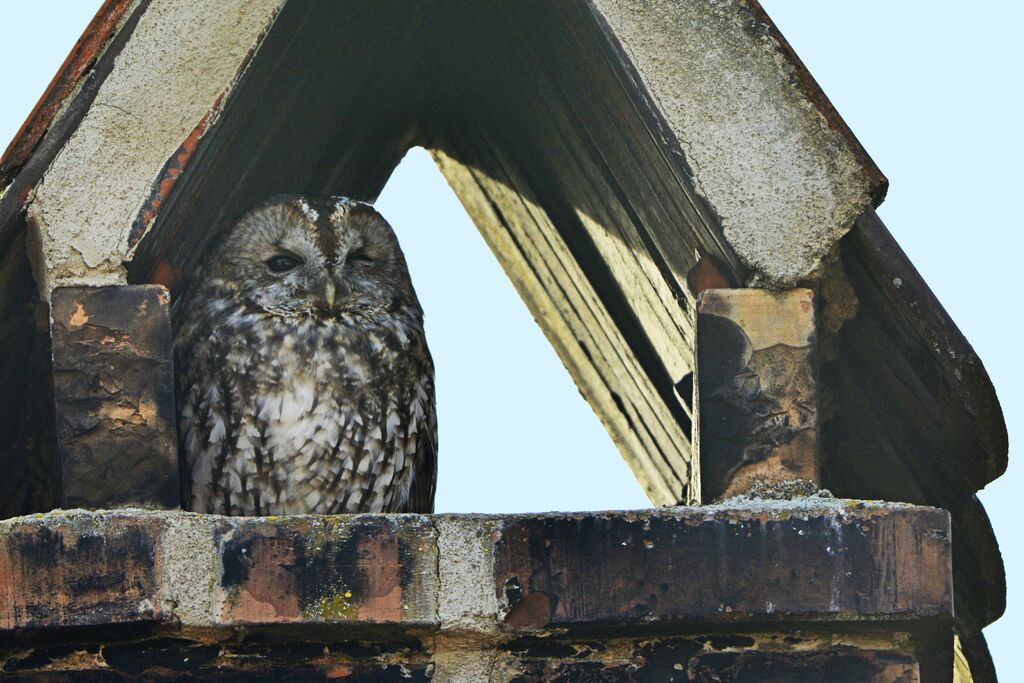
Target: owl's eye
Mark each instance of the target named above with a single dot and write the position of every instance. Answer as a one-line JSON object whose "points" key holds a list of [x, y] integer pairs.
{"points": [[282, 263], [358, 256]]}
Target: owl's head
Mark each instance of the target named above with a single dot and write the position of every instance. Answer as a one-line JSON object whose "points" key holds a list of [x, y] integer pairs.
{"points": [[321, 257]]}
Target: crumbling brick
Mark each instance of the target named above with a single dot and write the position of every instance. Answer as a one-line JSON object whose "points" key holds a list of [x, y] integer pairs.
{"points": [[114, 395]]}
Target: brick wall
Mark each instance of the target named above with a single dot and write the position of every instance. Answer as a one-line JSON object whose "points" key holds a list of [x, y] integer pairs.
{"points": [[812, 589]]}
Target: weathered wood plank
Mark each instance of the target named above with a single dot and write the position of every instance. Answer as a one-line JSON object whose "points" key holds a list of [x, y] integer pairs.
{"points": [[114, 396], [568, 131], [911, 399], [548, 278], [333, 143], [756, 403]]}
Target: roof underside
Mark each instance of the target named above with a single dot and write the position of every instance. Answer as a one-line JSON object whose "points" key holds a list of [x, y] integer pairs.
{"points": [[582, 187]]}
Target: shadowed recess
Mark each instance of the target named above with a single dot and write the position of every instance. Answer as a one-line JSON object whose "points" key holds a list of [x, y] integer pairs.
{"points": [[537, 123]]}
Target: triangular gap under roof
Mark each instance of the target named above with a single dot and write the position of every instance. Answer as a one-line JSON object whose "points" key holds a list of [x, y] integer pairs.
{"points": [[545, 136], [515, 434]]}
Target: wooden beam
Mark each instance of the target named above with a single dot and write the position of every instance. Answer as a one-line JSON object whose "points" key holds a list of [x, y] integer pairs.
{"points": [[576, 322], [757, 398]]}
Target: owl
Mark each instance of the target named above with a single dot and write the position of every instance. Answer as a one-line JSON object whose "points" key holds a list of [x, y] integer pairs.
{"points": [[304, 380]]}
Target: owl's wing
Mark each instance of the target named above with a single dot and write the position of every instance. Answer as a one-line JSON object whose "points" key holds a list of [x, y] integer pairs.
{"points": [[203, 400], [424, 484]]}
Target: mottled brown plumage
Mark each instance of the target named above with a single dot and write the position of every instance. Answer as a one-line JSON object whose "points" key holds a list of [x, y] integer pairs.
{"points": [[305, 382]]}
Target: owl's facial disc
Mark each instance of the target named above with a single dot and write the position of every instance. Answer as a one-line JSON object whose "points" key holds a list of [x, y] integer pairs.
{"points": [[324, 258]]}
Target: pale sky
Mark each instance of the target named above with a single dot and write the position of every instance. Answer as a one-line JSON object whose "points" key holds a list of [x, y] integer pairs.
{"points": [[932, 91]]}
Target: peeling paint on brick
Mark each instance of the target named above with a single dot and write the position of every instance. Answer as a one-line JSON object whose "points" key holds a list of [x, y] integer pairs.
{"points": [[114, 396]]}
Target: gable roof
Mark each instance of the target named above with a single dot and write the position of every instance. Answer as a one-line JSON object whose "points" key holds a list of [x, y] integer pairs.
{"points": [[602, 147]]}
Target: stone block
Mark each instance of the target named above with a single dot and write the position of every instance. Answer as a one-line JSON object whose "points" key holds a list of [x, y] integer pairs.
{"points": [[114, 396], [756, 405], [60, 571], [368, 569]]}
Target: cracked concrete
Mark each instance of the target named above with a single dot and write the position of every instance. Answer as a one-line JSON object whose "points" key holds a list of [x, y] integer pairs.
{"points": [[180, 59], [785, 185], [467, 605], [188, 555], [466, 599]]}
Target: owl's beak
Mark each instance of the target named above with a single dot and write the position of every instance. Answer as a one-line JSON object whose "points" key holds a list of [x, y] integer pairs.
{"points": [[329, 291], [332, 296]]}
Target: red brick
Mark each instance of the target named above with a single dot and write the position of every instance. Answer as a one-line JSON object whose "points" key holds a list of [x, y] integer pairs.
{"points": [[368, 569], [72, 571], [114, 396]]}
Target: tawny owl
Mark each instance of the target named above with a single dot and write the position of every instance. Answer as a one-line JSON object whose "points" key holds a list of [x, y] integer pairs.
{"points": [[305, 383]]}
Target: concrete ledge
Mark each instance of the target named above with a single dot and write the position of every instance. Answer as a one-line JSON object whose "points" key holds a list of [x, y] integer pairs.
{"points": [[762, 562]]}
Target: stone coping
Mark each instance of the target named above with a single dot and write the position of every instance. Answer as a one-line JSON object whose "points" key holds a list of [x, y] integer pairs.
{"points": [[743, 561]]}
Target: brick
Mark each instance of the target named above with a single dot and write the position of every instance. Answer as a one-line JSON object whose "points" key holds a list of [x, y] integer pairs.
{"points": [[369, 569], [252, 671], [78, 570], [715, 657], [701, 657], [730, 667], [812, 589], [209, 572], [836, 667], [114, 396], [775, 561], [756, 404]]}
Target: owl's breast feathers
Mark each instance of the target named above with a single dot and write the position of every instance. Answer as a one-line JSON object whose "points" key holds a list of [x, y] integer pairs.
{"points": [[299, 415]]}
